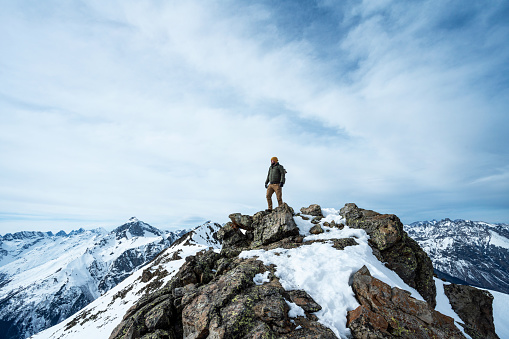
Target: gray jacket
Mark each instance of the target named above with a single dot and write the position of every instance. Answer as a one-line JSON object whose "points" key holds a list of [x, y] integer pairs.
{"points": [[276, 174]]}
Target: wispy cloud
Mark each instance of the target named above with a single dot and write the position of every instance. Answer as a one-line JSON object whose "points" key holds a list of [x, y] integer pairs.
{"points": [[171, 111]]}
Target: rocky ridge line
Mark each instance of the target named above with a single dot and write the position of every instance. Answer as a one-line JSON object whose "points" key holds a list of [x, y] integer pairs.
{"points": [[216, 295]]}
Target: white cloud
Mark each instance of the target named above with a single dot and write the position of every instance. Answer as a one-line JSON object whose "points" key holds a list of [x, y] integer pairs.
{"points": [[173, 110]]}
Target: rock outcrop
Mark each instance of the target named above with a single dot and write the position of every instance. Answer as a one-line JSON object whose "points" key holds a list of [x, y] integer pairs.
{"points": [[392, 245], [387, 312], [221, 295], [475, 308], [214, 297], [314, 210]]}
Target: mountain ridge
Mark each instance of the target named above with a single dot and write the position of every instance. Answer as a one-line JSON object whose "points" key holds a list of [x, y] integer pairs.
{"points": [[98, 318], [475, 252], [46, 277], [284, 275]]}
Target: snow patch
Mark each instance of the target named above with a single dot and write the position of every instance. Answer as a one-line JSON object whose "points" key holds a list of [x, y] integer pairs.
{"points": [[498, 240], [261, 278], [295, 310]]}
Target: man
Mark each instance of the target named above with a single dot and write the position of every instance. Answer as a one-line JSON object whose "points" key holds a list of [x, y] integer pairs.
{"points": [[275, 181]]}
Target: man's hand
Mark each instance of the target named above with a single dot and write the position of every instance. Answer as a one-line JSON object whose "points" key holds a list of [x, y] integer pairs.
{"points": [[281, 184], [266, 185]]}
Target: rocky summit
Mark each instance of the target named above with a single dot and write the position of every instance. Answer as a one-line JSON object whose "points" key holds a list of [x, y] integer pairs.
{"points": [[235, 293]]}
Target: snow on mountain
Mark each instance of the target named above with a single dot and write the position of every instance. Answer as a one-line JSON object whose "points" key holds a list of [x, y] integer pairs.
{"points": [[99, 318], [45, 278], [320, 270], [472, 251]]}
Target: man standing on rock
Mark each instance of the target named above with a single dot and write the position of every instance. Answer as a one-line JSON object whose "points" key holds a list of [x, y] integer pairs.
{"points": [[275, 181]]}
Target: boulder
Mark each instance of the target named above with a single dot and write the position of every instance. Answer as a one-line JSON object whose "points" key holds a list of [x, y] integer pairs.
{"points": [[317, 229], [475, 308], [387, 312], [392, 245], [273, 226], [242, 221], [316, 220], [233, 239], [304, 300], [314, 210]]}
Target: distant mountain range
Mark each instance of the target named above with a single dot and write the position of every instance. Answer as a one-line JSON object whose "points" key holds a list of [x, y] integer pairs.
{"points": [[46, 277], [464, 251], [100, 317]]}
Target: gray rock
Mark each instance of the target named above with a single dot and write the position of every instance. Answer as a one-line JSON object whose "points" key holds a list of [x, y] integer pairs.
{"points": [[274, 226], [475, 308], [242, 221], [314, 210], [316, 220], [317, 229]]}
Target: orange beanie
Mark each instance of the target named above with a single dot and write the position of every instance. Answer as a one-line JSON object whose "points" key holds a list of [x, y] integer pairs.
{"points": [[274, 159]]}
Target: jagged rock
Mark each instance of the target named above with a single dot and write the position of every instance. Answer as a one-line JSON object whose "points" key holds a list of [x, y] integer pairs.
{"points": [[304, 300], [314, 210], [233, 239], [392, 245], [387, 312], [475, 308], [317, 229], [268, 227], [273, 226], [242, 221]]}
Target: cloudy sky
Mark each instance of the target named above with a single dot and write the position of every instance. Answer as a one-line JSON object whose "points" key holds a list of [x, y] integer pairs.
{"points": [[171, 110]]}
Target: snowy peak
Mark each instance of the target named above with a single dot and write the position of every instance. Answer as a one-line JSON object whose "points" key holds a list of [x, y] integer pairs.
{"points": [[26, 235], [205, 234], [472, 251], [136, 228]]}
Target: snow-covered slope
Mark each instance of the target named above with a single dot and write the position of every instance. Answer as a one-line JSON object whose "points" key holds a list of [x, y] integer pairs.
{"points": [[45, 278], [471, 251], [99, 318], [319, 269]]}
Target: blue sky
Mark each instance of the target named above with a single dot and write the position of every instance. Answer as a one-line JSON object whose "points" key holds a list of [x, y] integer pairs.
{"points": [[170, 111]]}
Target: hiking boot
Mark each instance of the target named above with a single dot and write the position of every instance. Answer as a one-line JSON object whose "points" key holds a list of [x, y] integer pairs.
{"points": [[268, 210]]}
